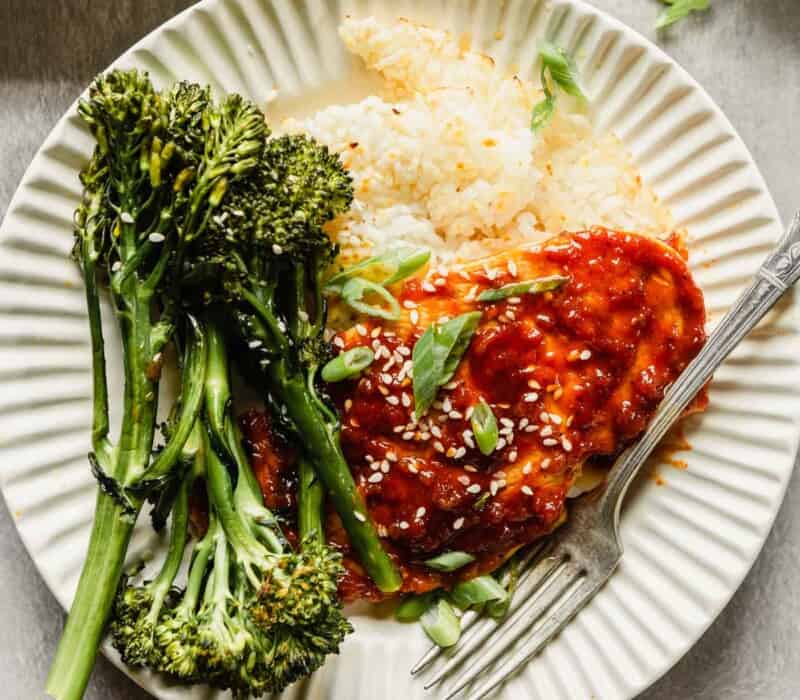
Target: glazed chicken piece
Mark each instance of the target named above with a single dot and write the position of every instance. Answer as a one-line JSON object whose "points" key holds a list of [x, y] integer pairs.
{"points": [[570, 374]]}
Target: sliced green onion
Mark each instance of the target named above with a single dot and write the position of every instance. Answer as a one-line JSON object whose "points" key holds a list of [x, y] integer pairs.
{"points": [[537, 286], [543, 112], [354, 291], [441, 623], [403, 261], [484, 427], [348, 364], [449, 561], [678, 10], [407, 265], [413, 606], [562, 68], [507, 577], [476, 592], [436, 356]]}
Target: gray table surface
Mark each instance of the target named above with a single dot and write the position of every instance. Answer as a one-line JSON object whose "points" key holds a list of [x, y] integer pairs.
{"points": [[745, 52]]}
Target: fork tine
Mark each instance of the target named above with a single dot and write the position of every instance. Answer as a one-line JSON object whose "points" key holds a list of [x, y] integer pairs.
{"points": [[515, 626], [536, 578], [538, 638], [469, 618]]}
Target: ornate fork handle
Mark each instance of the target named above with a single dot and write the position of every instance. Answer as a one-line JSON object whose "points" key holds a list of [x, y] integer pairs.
{"points": [[779, 271]]}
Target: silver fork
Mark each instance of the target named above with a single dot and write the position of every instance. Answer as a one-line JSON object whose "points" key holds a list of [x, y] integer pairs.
{"points": [[564, 573]]}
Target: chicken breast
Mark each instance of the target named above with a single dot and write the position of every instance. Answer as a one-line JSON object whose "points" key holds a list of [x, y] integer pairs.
{"points": [[570, 374]]}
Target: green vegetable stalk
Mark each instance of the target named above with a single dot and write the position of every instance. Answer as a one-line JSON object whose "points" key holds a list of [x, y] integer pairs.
{"points": [[273, 259], [149, 191]]}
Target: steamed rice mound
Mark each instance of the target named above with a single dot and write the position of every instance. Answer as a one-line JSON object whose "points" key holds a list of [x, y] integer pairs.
{"points": [[444, 157]]}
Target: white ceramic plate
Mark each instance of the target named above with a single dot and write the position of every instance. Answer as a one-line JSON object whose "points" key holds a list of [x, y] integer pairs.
{"points": [[688, 542]]}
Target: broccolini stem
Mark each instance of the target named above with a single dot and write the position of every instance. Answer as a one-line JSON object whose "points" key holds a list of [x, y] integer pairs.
{"points": [[310, 497], [322, 445], [113, 522], [94, 598], [192, 393], [100, 441], [178, 535]]}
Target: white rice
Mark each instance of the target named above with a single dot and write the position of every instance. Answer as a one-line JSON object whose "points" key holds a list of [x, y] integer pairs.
{"points": [[444, 156]]}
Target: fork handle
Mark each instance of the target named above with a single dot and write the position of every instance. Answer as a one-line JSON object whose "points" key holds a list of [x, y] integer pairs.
{"points": [[777, 274]]}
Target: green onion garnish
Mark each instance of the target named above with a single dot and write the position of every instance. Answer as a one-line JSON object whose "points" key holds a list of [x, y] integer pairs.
{"points": [[537, 286], [441, 623], [348, 364], [354, 291], [449, 561], [413, 606], [477, 591], [484, 427]]}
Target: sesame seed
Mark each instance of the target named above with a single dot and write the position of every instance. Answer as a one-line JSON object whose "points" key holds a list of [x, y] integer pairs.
{"points": [[386, 378], [403, 350], [421, 511], [558, 393], [566, 443], [460, 452], [391, 456], [360, 329], [438, 446], [348, 404], [507, 422], [546, 431], [531, 428], [549, 442], [458, 523], [463, 480], [428, 287], [512, 268], [398, 429], [501, 443], [494, 487], [533, 384], [469, 468], [463, 274], [383, 390], [474, 488], [375, 478], [435, 431], [440, 282], [545, 463], [469, 412], [530, 397], [544, 416], [405, 399], [403, 525], [253, 344], [511, 315], [527, 469], [385, 466], [408, 435], [506, 431], [369, 458], [447, 406], [512, 456], [392, 400], [455, 415], [375, 332], [126, 217], [514, 300], [573, 355], [472, 293], [359, 516], [586, 354], [409, 304], [500, 474], [468, 441], [413, 469], [117, 266], [522, 423], [527, 490], [276, 249], [281, 326], [414, 317]]}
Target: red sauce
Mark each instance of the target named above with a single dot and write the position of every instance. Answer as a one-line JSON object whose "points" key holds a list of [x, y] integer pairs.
{"points": [[594, 357]]}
